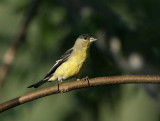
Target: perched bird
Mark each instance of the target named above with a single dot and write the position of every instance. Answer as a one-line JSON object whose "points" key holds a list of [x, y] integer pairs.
{"points": [[71, 62]]}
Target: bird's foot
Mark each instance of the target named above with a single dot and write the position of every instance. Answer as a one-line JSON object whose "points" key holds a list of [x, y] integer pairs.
{"points": [[86, 79], [58, 83]]}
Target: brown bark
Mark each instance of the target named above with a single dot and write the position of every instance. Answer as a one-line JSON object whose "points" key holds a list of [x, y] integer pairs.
{"points": [[65, 87]]}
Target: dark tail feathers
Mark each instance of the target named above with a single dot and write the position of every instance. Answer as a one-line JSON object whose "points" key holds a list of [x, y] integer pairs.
{"points": [[37, 84]]}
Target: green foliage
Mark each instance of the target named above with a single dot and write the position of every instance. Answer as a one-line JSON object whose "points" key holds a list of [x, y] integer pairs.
{"points": [[134, 23]]}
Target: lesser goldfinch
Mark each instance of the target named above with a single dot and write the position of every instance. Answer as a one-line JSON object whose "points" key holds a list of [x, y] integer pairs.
{"points": [[70, 63]]}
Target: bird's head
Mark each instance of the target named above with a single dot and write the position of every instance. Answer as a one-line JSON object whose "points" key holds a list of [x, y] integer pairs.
{"points": [[84, 41]]}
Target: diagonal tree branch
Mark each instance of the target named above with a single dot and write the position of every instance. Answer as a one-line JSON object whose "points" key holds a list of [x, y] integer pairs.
{"points": [[77, 85], [10, 54]]}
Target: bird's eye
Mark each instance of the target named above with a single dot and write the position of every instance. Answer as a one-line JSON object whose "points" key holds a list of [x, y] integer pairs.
{"points": [[85, 38]]}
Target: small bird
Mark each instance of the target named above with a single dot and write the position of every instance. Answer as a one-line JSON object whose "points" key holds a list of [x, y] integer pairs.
{"points": [[70, 63]]}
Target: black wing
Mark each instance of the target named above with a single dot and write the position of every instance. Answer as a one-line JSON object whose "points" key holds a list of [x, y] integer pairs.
{"points": [[62, 59]]}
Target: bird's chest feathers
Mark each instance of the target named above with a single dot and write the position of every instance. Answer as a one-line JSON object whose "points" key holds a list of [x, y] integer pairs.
{"points": [[78, 59], [73, 65]]}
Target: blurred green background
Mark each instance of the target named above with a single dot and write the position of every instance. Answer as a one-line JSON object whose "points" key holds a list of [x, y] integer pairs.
{"points": [[128, 43]]}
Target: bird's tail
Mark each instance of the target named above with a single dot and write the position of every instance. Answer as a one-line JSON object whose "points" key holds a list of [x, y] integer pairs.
{"points": [[37, 84]]}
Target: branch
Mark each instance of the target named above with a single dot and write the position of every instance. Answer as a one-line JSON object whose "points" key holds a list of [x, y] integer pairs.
{"points": [[65, 87], [10, 54]]}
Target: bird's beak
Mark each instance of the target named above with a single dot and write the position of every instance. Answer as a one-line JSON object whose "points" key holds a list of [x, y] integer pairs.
{"points": [[92, 39]]}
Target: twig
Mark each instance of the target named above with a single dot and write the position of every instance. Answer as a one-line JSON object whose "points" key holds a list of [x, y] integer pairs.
{"points": [[65, 87], [10, 54]]}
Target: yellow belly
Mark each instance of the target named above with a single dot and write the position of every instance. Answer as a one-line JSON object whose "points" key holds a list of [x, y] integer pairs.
{"points": [[71, 67]]}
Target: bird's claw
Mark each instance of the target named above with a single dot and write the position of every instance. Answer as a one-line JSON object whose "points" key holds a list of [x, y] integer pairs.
{"points": [[86, 79], [58, 83]]}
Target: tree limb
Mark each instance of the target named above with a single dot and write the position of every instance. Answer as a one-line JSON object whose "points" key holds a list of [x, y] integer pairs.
{"points": [[65, 87]]}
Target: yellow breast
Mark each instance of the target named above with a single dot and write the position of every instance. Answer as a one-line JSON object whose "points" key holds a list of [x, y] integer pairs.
{"points": [[72, 66]]}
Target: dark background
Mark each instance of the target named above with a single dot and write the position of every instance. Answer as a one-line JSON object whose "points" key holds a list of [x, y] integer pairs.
{"points": [[128, 43]]}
